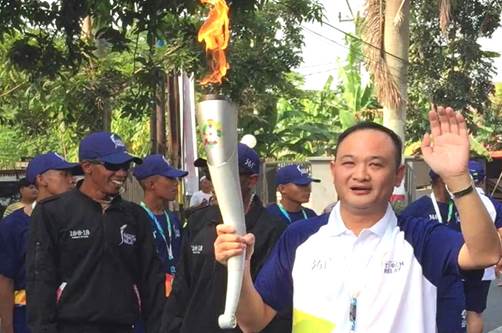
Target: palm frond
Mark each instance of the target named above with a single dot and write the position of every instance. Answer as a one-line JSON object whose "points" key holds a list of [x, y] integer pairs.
{"points": [[373, 32]]}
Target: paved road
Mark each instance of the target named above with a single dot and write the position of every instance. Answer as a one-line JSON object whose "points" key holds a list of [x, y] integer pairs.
{"points": [[493, 312]]}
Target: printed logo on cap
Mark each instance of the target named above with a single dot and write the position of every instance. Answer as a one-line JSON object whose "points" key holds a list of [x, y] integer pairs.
{"points": [[116, 141], [250, 164], [303, 171], [165, 160]]}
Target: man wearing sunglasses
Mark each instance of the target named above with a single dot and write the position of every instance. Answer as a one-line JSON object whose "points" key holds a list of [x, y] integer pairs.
{"points": [[198, 294], [91, 259]]}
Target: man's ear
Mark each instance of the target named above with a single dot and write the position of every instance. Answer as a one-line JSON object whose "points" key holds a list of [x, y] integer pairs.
{"points": [[86, 167], [332, 166], [252, 181], [40, 181], [400, 175]]}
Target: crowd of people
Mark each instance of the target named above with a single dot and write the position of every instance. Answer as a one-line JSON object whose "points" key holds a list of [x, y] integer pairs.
{"points": [[76, 257]]}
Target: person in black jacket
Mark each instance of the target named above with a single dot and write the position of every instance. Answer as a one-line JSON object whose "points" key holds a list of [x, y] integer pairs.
{"points": [[198, 295], [91, 259]]}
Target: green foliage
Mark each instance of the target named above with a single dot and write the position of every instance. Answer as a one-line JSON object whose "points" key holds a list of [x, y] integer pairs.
{"points": [[308, 123], [55, 85], [450, 70]]}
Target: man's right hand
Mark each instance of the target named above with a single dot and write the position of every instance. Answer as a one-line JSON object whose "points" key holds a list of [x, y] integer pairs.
{"points": [[228, 244]]}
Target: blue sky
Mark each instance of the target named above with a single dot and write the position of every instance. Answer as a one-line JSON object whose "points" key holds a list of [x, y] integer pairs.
{"points": [[325, 46]]}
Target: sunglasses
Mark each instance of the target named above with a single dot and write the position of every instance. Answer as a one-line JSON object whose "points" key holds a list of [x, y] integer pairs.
{"points": [[114, 167]]}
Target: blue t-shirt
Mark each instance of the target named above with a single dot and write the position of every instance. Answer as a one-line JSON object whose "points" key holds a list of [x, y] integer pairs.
{"points": [[168, 264], [451, 298], [13, 237], [290, 217]]}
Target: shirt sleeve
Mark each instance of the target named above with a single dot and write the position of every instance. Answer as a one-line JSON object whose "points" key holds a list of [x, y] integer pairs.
{"points": [[195, 200], [41, 276], [274, 281], [436, 247], [9, 259]]}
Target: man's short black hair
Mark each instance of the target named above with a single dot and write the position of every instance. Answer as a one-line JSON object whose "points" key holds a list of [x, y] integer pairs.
{"points": [[369, 125], [23, 182]]}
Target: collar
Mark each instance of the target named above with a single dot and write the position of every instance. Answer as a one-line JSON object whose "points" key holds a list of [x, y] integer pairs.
{"points": [[115, 202], [338, 227]]}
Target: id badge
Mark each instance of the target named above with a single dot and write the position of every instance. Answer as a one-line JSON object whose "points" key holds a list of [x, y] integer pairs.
{"points": [[169, 284]]}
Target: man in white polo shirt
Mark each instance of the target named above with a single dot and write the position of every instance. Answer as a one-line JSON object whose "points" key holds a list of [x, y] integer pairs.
{"points": [[360, 269]]}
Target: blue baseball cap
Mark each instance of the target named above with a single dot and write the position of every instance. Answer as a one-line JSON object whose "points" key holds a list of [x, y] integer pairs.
{"points": [[156, 165], [248, 160], [105, 147], [49, 161], [476, 170], [295, 174]]}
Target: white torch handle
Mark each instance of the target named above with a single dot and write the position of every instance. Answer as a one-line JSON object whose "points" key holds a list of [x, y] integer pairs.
{"points": [[218, 120], [232, 212]]}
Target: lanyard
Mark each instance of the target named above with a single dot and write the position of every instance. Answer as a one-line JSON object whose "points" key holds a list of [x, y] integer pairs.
{"points": [[160, 231], [286, 214], [356, 284], [438, 212]]}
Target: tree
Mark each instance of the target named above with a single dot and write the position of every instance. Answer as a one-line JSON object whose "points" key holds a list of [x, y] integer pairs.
{"points": [[144, 41], [450, 69]]}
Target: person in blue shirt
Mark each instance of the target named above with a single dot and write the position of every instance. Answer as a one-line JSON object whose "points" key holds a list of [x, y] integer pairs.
{"points": [[361, 268], [451, 316], [52, 175], [474, 292], [159, 181], [294, 184]]}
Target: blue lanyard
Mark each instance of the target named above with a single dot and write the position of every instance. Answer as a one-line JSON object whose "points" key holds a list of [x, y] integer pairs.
{"points": [[160, 231], [286, 214]]}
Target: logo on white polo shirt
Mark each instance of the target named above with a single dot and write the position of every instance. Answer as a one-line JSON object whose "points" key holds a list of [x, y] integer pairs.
{"points": [[393, 266]]}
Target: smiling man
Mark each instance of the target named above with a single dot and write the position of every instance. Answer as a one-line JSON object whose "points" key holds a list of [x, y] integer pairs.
{"points": [[91, 259], [361, 269]]}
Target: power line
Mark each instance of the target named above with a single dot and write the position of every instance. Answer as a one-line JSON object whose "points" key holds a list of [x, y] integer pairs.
{"points": [[346, 47], [356, 37], [364, 42]]}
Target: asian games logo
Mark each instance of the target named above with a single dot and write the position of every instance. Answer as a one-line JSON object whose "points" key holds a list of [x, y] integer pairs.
{"points": [[211, 132]]}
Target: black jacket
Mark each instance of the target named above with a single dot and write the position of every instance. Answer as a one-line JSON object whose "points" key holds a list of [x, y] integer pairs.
{"points": [[103, 266], [199, 288]]}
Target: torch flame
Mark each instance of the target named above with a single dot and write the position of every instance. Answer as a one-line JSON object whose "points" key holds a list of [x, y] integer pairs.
{"points": [[215, 33]]}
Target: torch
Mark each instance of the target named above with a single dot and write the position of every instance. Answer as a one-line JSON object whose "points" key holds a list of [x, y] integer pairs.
{"points": [[217, 118]]}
